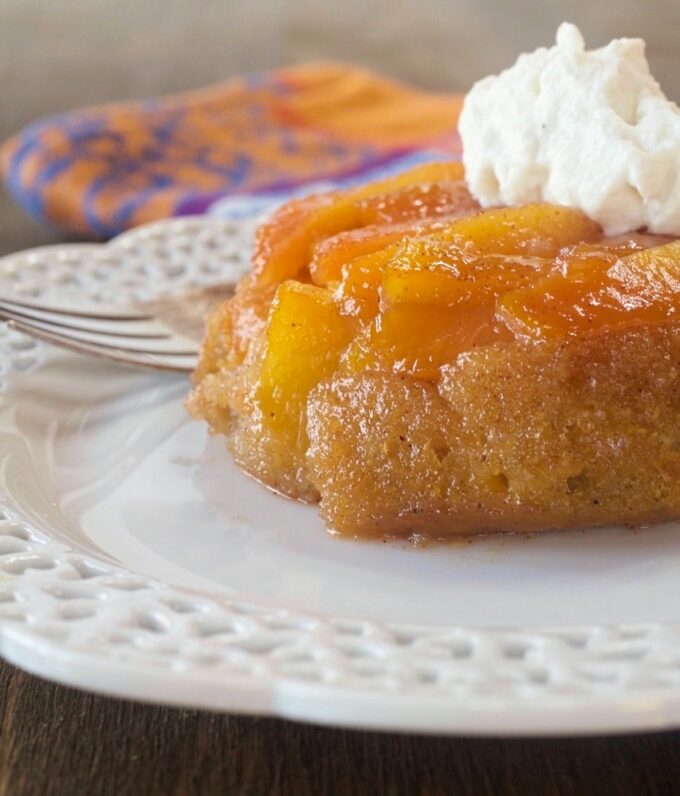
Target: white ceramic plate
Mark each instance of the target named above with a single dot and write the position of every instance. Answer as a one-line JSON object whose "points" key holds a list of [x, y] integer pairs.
{"points": [[136, 560]]}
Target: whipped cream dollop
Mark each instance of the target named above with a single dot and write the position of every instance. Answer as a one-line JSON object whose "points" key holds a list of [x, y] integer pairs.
{"points": [[589, 129]]}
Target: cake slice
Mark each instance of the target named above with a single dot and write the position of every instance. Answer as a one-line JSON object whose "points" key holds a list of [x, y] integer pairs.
{"points": [[420, 366]]}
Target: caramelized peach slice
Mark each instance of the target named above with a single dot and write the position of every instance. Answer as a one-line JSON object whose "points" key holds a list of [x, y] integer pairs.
{"points": [[304, 338], [529, 232], [234, 326], [438, 297], [417, 340], [616, 246], [639, 289], [330, 255], [358, 294], [533, 230], [283, 241], [359, 291], [538, 229], [582, 257], [284, 244], [416, 202], [434, 304], [429, 271]]}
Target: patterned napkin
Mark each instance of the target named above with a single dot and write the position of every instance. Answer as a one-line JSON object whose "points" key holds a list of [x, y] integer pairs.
{"points": [[232, 149]]}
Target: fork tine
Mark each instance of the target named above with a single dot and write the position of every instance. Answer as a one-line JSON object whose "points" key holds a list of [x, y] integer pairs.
{"points": [[94, 339], [104, 316], [177, 362], [53, 321], [130, 344]]}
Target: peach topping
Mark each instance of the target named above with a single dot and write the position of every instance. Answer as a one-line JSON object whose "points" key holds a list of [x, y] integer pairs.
{"points": [[408, 273]]}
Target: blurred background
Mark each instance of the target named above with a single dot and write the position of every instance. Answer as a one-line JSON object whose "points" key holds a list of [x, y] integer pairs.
{"points": [[60, 54]]}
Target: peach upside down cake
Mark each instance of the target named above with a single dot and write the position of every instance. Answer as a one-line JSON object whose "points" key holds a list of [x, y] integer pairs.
{"points": [[423, 367]]}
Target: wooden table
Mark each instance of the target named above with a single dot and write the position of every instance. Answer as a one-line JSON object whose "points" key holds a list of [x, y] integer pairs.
{"points": [[55, 740]]}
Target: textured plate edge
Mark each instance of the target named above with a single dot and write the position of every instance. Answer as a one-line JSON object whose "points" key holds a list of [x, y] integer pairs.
{"points": [[288, 699]]}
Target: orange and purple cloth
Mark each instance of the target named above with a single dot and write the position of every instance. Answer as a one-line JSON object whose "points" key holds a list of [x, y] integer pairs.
{"points": [[101, 170]]}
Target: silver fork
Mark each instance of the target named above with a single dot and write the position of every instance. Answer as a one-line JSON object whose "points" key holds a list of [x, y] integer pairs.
{"points": [[164, 334]]}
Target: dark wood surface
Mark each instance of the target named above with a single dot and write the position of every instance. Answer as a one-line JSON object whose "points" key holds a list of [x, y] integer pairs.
{"points": [[55, 740]]}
